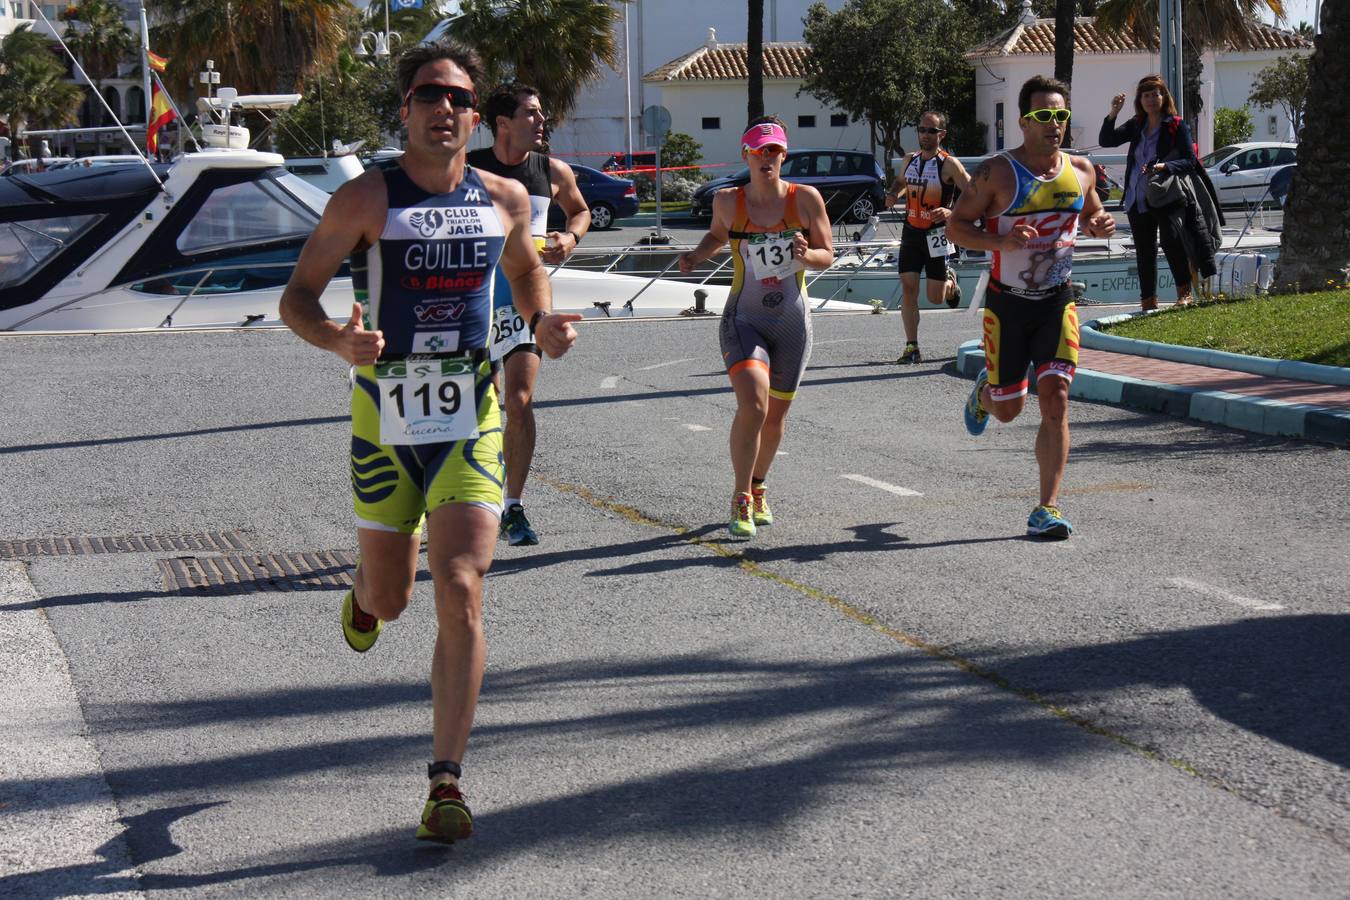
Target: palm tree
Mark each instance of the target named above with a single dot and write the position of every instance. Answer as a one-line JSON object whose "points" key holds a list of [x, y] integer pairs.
{"points": [[555, 45], [1205, 24], [1315, 244], [754, 47], [96, 34], [267, 46], [34, 91]]}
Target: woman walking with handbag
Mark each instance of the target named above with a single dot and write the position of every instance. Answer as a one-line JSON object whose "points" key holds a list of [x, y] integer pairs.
{"points": [[1154, 133]]}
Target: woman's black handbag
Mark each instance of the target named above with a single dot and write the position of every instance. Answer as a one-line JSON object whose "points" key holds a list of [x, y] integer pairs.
{"points": [[1163, 190]]}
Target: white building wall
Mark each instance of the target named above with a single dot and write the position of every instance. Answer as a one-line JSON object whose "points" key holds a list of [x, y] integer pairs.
{"points": [[659, 31], [1225, 82], [691, 102]]}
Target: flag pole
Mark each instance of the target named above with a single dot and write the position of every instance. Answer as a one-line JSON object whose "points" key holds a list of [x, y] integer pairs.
{"points": [[182, 123], [145, 63]]}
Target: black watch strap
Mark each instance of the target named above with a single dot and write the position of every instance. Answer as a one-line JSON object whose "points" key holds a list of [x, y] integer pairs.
{"points": [[534, 320]]}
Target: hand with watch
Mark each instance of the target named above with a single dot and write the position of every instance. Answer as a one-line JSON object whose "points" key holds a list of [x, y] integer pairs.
{"points": [[553, 332], [557, 248]]}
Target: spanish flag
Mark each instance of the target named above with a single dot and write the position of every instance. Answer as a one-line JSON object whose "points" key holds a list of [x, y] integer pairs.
{"points": [[161, 114], [157, 63]]}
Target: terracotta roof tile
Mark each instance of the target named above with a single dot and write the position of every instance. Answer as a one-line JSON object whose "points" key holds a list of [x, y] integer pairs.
{"points": [[728, 62], [1039, 38]]}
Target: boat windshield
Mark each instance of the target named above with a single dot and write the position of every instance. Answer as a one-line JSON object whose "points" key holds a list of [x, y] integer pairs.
{"points": [[246, 214], [310, 195], [26, 246]]}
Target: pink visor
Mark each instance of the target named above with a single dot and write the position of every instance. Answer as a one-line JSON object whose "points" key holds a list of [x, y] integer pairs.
{"points": [[757, 137]]}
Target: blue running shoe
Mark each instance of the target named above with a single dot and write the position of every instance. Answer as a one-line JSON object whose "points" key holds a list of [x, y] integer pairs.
{"points": [[977, 417], [1048, 522], [516, 528]]}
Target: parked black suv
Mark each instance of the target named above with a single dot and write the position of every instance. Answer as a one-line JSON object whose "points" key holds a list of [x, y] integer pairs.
{"points": [[851, 181]]}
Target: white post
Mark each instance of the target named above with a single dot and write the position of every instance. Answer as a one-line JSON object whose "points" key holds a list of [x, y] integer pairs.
{"points": [[627, 91], [145, 63]]}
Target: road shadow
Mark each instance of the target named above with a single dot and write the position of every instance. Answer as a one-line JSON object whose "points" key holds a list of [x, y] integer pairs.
{"points": [[1281, 677]]}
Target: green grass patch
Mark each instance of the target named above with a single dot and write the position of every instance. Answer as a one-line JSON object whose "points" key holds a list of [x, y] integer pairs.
{"points": [[1311, 328]]}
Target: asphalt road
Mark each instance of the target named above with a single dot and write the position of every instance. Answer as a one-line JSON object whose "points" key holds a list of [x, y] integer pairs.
{"points": [[890, 692]]}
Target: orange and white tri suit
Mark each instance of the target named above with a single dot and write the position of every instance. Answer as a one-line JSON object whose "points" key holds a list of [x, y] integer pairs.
{"points": [[766, 321]]}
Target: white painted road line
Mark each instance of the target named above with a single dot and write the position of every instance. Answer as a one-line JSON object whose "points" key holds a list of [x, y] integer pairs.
{"points": [[48, 755], [697, 427], [1219, 593], [673, 362], [610, 383], [882, 486]]}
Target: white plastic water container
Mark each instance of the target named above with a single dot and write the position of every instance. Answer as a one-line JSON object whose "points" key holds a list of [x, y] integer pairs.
{"points": [[1239, 273]]}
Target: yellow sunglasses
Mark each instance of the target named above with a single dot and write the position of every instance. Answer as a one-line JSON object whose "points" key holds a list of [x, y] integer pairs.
{"points": [[1048, 115]]}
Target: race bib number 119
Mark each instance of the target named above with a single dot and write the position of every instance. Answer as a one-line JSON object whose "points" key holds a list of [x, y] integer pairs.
{"points": [[427, 401]]}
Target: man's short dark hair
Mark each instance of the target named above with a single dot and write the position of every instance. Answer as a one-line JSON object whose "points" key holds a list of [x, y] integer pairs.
{"points": [[504, 101], [1039, 84], [941, 117], [461, 55]]}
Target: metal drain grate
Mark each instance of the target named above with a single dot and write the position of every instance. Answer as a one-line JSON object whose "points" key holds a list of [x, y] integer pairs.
{"points": [[261, 572], [224, 541]]}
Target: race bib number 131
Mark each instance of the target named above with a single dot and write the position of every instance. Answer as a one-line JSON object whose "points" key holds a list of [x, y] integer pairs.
{"points": [[771, 255], [427, 401]]}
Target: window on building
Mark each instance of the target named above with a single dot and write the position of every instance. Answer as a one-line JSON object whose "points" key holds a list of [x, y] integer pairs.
{"points": [[806, 121], [712, 123], [838, 120]]}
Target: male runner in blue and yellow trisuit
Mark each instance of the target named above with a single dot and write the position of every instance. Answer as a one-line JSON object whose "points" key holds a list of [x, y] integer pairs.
{"points": [[425, 236], [1033, 200]]}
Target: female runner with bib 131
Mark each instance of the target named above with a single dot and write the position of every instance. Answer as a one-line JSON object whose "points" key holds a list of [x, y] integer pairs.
{"points": [[776, 231]]}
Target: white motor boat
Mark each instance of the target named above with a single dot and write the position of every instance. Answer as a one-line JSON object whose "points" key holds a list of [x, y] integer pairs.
{"points": [[209, 241]]}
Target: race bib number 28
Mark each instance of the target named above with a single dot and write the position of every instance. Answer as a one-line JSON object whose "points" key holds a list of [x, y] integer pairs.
{"points": [[427, 401], [938, 245]]}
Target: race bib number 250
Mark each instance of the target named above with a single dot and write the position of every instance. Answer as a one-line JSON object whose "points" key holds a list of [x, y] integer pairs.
{"points": [[427, 401]]}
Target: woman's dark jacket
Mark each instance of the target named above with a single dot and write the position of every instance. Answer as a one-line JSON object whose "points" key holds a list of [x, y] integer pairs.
{"points": [[1196, 223]]}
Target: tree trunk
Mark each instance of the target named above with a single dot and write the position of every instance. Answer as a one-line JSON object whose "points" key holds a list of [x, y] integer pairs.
{"points": [[754, 45], [1064, 14], [1315, 244]]}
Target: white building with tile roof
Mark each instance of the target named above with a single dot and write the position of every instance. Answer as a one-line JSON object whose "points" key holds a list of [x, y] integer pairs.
{"points": [[705, 91], [1108, 62]]}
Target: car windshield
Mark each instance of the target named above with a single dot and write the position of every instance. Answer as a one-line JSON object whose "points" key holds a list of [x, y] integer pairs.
{"points": [[1210, 160]]}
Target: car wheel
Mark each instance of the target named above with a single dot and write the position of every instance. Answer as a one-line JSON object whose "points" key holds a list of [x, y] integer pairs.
{"points": [[862, 209], [602, 215]]}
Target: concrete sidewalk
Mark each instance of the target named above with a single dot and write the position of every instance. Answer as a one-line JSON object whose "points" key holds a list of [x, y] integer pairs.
{"points": [[1273, 397]]}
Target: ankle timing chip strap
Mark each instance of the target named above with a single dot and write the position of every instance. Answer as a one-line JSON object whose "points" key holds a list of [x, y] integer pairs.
{"points": [[443, 766]]}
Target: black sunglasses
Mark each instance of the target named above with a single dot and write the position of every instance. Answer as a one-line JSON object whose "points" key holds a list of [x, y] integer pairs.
{"points": [[460, 97], [921, 130]]}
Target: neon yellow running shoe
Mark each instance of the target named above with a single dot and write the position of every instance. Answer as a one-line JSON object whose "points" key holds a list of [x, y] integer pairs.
{"points": [[359, 627], [742, 517], [446, 817], [760, 504]]}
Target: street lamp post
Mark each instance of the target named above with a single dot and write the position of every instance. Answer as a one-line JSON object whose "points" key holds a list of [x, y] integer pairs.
{"points": [[384, 40]]}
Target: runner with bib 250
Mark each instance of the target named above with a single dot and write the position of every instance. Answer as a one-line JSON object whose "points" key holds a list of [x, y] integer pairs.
{"points": [[519, 127]]}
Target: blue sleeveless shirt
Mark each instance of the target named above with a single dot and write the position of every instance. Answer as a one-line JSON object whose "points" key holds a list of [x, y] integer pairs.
{"points": [[427, 283]]}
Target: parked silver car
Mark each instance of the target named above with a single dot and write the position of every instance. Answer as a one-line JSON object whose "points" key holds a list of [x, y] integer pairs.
{"points": [[1242, 172]]}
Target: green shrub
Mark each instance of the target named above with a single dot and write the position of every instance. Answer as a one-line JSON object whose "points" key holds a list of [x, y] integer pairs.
{"points": [[1232, 126]]}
